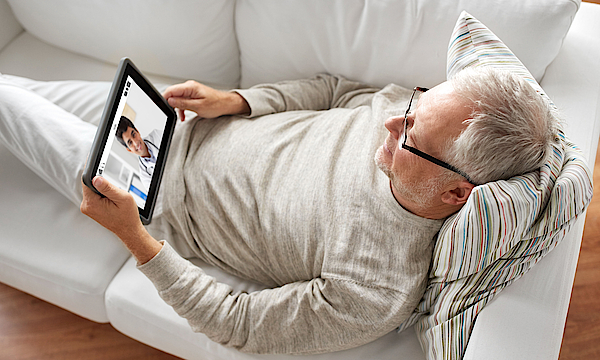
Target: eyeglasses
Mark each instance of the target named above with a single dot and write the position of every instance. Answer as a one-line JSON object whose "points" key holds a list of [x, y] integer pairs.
{"points": [[418, 91]]}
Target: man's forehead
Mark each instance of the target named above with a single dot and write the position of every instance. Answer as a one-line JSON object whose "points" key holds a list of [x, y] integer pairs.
{"points": [[443, 100], [444, 89], [442, 111]]}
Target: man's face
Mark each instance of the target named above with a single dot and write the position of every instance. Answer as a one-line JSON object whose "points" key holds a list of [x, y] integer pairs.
{"points": [[438, 118], [134, 142]]}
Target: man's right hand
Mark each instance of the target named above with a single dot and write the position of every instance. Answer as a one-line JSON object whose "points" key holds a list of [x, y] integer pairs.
{"points": [[118, 212], [205, 101]]}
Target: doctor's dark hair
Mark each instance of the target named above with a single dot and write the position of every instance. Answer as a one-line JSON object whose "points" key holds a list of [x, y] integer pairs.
{"points": [[124, 123]]}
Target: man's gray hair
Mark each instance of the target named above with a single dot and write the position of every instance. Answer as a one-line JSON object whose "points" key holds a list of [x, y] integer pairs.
{"points": [[511, 129]]}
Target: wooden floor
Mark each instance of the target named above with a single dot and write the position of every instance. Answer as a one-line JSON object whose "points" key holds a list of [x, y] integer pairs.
{"points": [[31, 329]]}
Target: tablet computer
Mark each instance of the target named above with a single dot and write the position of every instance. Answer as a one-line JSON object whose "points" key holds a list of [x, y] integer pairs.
{"points": [[133, 138]]}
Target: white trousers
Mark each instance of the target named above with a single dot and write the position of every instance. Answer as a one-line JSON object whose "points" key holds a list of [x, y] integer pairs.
{"points": [[50, 127]]}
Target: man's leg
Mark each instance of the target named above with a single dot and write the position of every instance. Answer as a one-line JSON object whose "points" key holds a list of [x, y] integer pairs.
{"points": [[48, 139], [84, 99], [41, 124]]}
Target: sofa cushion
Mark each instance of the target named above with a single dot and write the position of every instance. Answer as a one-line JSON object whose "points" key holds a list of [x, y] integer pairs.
{"points": [[29, 57], [472, 44], [182, 39], [9, 26], [402, 42], [51, 250]]}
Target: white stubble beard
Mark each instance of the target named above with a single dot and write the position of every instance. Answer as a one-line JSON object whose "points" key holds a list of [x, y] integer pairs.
{"points": [[421, 193]]}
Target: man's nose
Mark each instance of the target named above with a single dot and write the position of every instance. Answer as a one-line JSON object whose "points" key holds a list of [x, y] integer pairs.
{"points": [[395, 125]]}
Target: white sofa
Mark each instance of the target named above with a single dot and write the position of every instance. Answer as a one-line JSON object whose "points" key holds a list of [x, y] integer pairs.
{"points": [[50, 250]]}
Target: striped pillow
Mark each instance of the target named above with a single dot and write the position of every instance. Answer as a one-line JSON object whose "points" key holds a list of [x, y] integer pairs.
{"points": [[504, 228], [472, 44]]}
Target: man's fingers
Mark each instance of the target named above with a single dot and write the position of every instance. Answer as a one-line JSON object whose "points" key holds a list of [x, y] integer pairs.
{"points": [[188, 89], [86, 190], [181, 103], [88, 196], [177, 91], [205, 101]]}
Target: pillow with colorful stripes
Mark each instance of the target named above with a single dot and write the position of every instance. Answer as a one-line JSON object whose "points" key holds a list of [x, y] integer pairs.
{"points": [[505, 227], [472, 44]]}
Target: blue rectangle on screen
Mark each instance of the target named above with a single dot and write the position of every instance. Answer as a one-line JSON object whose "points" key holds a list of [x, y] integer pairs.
{"points": [[138, 192]]}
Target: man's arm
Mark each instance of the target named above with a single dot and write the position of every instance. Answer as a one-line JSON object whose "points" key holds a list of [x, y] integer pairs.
{"points": [[324, 314], [205, 101], [320, 93], [321, 315]]}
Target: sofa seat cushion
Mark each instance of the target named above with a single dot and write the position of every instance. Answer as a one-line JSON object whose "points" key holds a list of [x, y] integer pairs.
{"points": [[50, 249]]}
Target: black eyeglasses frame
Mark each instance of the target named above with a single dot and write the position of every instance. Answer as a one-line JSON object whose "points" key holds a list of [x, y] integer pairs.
{"points": [[421, 154]]}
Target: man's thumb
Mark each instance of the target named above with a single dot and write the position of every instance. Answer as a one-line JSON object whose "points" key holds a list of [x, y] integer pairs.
{"points": [[104, 187]]}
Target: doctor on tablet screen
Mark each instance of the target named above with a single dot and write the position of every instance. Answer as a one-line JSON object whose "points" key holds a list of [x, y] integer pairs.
{"points": [[146, 148]]}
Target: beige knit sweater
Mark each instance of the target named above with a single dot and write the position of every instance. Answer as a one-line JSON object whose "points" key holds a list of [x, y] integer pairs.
{"points": [[291, 197]]}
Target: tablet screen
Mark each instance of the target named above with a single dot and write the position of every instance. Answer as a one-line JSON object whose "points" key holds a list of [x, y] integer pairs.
{"points": [[133, 138]]}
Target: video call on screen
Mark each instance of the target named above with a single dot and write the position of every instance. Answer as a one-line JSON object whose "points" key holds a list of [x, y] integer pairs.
{"points": [[130, 166]]}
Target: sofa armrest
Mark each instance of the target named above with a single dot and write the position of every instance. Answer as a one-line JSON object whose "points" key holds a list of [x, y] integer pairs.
{"points": [[526, 321], [9, 26], [573, 80]]}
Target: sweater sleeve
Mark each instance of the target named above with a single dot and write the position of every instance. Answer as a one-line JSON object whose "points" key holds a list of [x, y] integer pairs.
{"points": [[319, 93], [320, 315]]}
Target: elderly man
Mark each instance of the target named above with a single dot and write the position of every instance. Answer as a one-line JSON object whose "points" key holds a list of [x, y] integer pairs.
{"points": [[284, 191]]}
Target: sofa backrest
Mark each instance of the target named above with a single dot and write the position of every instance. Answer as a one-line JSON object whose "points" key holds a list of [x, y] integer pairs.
{"points": [[382, 41], [222, 41], [187, 39], [9, 26]]}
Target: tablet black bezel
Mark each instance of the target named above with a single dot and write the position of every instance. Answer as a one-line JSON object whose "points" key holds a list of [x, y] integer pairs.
{"points": [[127, 68]]}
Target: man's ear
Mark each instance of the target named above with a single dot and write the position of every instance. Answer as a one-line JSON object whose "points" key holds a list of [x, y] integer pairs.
{"points": [[127, 147], [459, 194]]}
